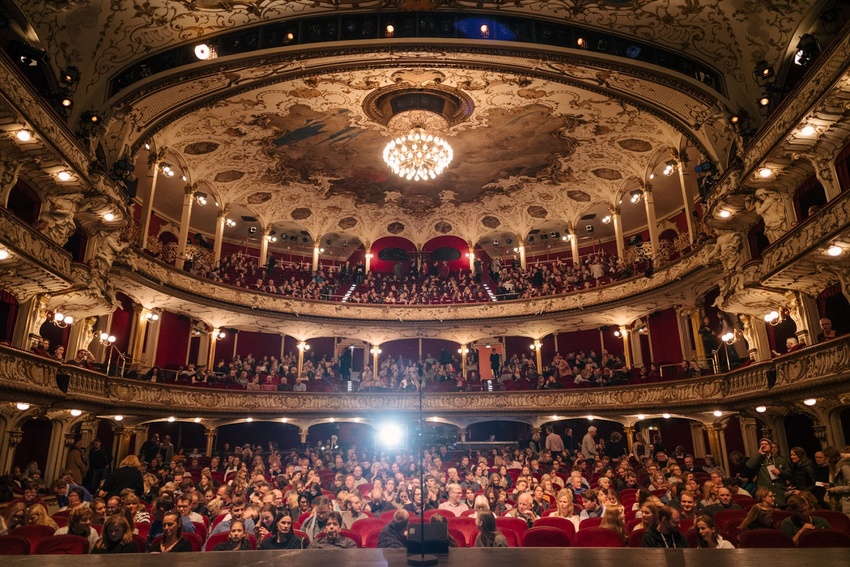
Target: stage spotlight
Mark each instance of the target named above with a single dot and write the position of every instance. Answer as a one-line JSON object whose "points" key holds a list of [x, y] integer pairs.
{"points": [[390, 434]]}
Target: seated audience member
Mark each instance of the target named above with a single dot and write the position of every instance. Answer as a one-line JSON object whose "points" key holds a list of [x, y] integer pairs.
{"points": [[725, 502], [333, 538], [172, 540], [708, 536], [378, 505], [524, 509], [759, 517], [237, 540], [666, 532], [315, 524], [37, 515], [648, 515], [593, 504], [282, 536], [79, 524], [488, 535], [565, 507], [237, 511], [117, 537], [394, 534], [454, 503], [14, 516], [614, 520], [801, 519], [827, 332]]}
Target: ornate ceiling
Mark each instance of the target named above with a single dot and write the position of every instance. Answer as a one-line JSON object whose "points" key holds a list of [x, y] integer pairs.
{"points": [[552, 134]]}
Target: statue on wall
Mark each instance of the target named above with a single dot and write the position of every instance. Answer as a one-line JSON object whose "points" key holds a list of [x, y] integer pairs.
{"points": [[60, 216], [110, 246], [770, 206]]}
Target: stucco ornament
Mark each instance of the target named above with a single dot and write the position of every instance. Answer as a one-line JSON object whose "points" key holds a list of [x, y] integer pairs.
{"points": [[770, 206], [59, 216]]}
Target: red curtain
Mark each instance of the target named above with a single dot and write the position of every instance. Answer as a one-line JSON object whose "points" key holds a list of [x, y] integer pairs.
{"points": [[173, 340], [664, 332]]}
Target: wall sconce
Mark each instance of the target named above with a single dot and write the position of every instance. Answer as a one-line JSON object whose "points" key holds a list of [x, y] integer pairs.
{"points": [[24, 135], [536, 345], [375, 350], [4, 254], [764, 73], [302, 346], [271, 238], [728, 338], [606, 219], [61, 320], [669, 168], [463, 350], [230, 222], [151, 316], [22, 406], [219, 335], [637, 195], [774, 318], [106, 339], [166, 170], [201, 198]]}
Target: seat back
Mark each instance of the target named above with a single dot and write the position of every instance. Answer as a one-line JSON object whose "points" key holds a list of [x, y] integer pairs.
{"points": [[458, 536], [366, 525], [823, 538], [546, 536], [62, 545], [516, 525], [636, 538], [201, 530], [838, 521], [371, 539], [141, 543], [598, 537], [33, 533], [387, 516], [756, 539], [724, 518], [589, 523], [562, 524], [14, 545]]}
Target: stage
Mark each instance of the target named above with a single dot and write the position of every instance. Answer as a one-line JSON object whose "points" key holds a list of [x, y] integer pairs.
{"points": [[464, 557]]}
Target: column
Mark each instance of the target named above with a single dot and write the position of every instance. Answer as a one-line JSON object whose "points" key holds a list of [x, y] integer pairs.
{"points": [[213, 338], [574, 245], [147, 206], [750, 434], [368, 256], [682, 324], [57, 454], [470, 254], [521, 250], [185, 219], [695, 325], [316, 251], [821, 434], [302, 346], [7, 449], [637, 352], [537, 346], [555, 339], [124, 435], [221, 221], [203, 347], [32, 315], [138, 332], [629, 434], [210, 434], [651, 221], [618, 231], [755, 332], [303, 432], [81, 335], [264, 245], [282, 346], [463, 351], [680, 166], [624, 334], [717, 444], [697, 438], [375, 351], [807, 318], [147, 357]]}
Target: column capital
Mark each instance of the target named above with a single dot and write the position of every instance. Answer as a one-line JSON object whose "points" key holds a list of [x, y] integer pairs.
{"points": [[614, 210], [190, 189], [154, 158], [225, 210]]}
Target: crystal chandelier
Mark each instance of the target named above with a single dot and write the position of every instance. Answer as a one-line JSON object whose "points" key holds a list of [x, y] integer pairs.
{"points": [[418, 155]]}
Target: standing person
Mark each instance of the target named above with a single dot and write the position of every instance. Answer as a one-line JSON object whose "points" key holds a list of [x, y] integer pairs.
{"points": [[554, 443], [127, 475], [570, 443], [495, 362], [166, 451], [588, 444], [100, 462], [841, 481], [150, 448], [773, 470], [77, 463]]}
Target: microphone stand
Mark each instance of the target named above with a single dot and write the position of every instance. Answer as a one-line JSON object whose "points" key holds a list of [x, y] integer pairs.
{"points": [[422, 560]]}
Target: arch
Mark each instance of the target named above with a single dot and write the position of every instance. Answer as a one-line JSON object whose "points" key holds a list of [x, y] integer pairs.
{"points": [[23, 202], [440, 249], [77, 243], [34, 444], [8, 315], [808, 198], [258, 432], [397, 250], [499, 430], [799, 431]]}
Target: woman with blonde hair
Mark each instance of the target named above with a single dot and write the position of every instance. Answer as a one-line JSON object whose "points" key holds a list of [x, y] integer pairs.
{"points": [[614, 519], [134, 505], [14, 516], [565, 508], [709, 494], [117, 536], [79, 524], [37, 516], [127, 475]]}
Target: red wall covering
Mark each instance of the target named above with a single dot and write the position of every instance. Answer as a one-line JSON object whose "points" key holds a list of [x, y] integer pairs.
{"points": [[379, 265], [258, 344], [122, 320], [455, 242], [664, 332], [173, 339]]}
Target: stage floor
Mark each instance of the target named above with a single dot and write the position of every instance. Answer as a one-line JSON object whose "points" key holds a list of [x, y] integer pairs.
{"points": [[465, 557]]}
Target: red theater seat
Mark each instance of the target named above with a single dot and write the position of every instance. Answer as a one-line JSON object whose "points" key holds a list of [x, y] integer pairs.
{"points": [[545, 536], [14, 545], [823, 538], [598, 537], [755, 539], [62, 545]]}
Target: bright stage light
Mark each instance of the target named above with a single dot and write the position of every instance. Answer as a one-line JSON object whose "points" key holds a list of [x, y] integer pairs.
{"points": [[390, 434]]}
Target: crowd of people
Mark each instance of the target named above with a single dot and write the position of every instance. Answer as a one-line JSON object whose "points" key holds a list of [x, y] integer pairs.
{"points": [[418, 284], [251, 497]]}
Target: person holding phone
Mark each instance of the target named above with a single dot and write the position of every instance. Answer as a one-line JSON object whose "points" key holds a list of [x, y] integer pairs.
{"points": [[773, 470]]}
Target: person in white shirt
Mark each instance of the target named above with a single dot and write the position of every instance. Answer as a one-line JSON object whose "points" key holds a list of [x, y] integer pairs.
{"points": [[455, 503]]}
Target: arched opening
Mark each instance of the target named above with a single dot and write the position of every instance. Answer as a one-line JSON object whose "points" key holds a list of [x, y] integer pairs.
{"points": [[34, 445], [844, 416], [499, 431], [799, 431], [77, 244], [56, 335], [182, 434], [284, 435], [809, 198], [347, 433], [446, 254], [757, 240], [393, 255], [24, 203], [833, 305], [8, 316]]}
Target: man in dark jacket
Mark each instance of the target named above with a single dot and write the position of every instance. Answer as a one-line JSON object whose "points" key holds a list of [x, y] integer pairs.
{"points": [[394, 534], [665, 533], [99, 464]]}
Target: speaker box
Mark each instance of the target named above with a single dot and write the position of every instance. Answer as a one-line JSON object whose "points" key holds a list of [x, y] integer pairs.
{"points": [[428, 538]]}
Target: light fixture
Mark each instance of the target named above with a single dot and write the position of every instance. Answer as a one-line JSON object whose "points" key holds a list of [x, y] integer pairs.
{"points": [[606, 219], [418, 156], [375, 350], [764, 73], [219, 335], [119, 418], [106, 339], [765, 172], [65, 100], [201, 198], [303, 346], [23, 406], [63, 176], [581, 43], [834, 250], [166, 170], [204, 52], [641, 417], [76, 412], [271, 238], [810, 401], [61, 320], [485, 31], [463, 351], [3, 253], [651, 176], [332, 419], [172, 419], [665, 415], [289, 37], [151, 316], [764, 100], [618, 334], [24, 135], [108, 217], [566, 237], [390, 30], [230, 222], [250, 419], [590, 418], [197, 420], [669, 168], [147, 146], [637, 194], [807, 130], [774, 318], [321, 250], [761, 409], [284, 419], [724, 214], [728, 338], [718, 413]]}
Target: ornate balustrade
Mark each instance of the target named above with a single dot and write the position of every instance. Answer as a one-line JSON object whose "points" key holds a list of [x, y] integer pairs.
{"points": [[821, 370]]}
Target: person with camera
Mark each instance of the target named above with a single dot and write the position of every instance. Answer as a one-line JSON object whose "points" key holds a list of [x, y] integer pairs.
{"points": [[773, 470], [84, 359]]}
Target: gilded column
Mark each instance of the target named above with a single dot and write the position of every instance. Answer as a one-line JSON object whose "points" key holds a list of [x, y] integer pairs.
{"points": [[147, 205], [651, 221], [686, 199], [617, 219], [210, 435], [185, 218], [220, 222]]}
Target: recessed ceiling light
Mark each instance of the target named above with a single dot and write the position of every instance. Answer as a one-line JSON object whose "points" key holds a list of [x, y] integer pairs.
{"points": [[761, 409], [834, 250], [171, 419], [3, 253], [24, 135], [807, 130], [590, 418], [108, 217], [665, 415], [63, 176], [724, 214], [76, 412], [250, 419], [284, 419], [641, 417], [23, 406], [765, 172], [203, 51], [810, 401], [119, 418], [718, 413], [197, 420]]}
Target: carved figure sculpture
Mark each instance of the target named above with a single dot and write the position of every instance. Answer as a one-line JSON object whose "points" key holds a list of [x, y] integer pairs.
{"points": [[770, 206], [60, 216]]}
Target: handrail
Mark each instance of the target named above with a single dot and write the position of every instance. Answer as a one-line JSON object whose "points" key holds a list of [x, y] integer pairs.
{"points": [[819, 370]]}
